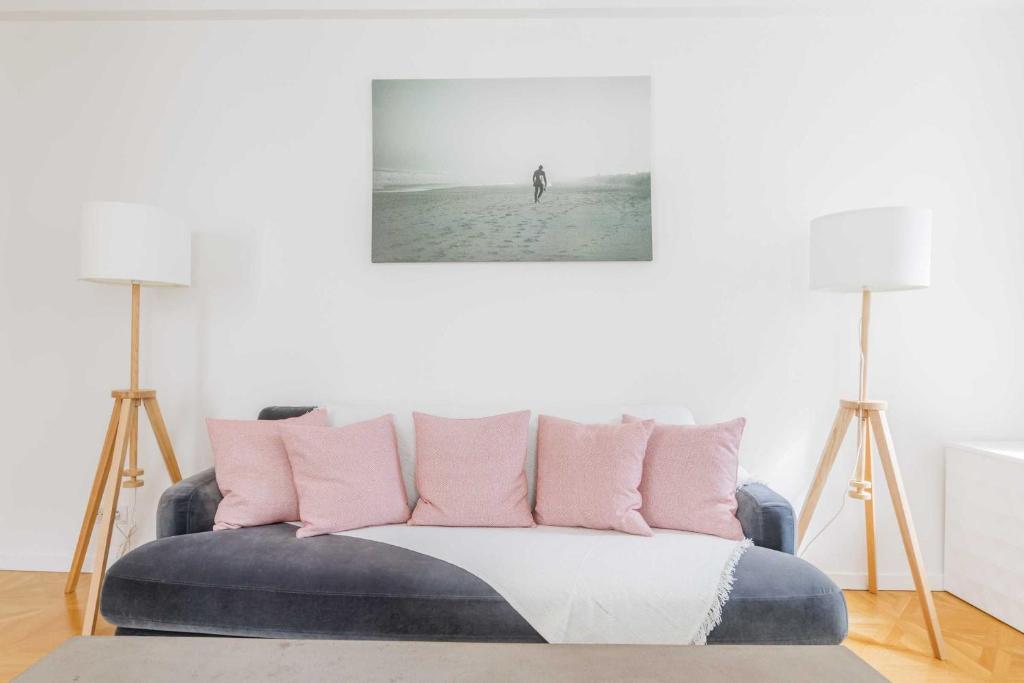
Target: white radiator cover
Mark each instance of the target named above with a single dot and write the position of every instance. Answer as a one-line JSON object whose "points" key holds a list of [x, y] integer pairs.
{"points": [[984, 562]]}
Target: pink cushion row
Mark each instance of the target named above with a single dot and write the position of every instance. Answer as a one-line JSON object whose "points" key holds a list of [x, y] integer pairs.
{"points": [[471, 472]]}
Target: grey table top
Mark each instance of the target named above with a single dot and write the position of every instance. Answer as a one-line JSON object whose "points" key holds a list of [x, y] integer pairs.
{"points": [[159, 659]]}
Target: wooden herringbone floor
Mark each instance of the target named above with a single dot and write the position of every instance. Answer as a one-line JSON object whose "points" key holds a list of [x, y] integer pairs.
{"points": [[886, 630], [36, 617]]}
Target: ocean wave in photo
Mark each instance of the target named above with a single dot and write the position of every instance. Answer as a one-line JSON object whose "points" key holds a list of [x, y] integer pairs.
{"points": [[396, 180]]}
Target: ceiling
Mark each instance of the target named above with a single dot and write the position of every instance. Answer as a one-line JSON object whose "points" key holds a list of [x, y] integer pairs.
{"points": [[313, 9]]}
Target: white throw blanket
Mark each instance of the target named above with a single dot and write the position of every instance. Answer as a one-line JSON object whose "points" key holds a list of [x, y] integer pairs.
{"points": [[585, 586]]}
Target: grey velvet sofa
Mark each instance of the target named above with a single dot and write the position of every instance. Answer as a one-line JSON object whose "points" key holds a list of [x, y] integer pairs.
{"points": [[263, 582]]}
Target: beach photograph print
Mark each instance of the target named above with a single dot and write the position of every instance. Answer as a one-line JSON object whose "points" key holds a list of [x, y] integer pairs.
{"points": [[512, 169]]}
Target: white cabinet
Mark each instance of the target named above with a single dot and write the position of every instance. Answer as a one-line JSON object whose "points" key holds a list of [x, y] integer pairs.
{"points": [[984, 562]]}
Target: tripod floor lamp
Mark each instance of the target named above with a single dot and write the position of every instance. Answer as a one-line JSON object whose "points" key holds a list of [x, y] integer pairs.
{"points": [[865, 251], [125, 244]]}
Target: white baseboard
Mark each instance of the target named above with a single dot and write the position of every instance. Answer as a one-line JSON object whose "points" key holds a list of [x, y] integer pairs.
{"points": [[40, 562], [886, 582]]}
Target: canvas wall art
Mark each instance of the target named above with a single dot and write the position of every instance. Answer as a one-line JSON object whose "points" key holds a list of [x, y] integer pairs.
{"points": [[512, 169]]}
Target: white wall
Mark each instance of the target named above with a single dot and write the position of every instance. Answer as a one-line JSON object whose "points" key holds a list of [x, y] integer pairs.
{"points": [[258, 132]]}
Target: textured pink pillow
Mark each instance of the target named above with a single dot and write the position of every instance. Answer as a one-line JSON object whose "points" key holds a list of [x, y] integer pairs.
{"points": [[472, 472], [690, 477], [588, 475], [253, 472], [346, 477]]}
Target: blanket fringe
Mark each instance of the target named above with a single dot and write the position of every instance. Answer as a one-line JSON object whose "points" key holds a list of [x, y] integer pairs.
{"points": [[714, 615]]}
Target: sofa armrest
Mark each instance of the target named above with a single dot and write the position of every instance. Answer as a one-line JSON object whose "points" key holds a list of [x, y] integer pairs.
{"points": [[766, 517], [188, 506]]}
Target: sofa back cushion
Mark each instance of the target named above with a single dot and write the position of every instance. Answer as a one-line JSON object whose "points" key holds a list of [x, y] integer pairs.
{"points": [[346, 477], [588, 475], [690, 477], [609, 413], [253, 472], [472, 471]]}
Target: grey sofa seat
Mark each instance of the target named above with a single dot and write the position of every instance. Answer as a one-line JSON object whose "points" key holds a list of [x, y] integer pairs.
{"points": [[264, 582]]}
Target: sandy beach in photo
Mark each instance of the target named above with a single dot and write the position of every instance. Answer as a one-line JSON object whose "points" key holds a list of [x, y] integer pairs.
{"points": [[572, 222]]}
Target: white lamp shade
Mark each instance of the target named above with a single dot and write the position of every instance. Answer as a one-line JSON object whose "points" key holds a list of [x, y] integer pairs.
{"points": [[134, 243], [882, 249]]}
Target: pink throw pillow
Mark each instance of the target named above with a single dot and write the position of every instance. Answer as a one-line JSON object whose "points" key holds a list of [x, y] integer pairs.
{"points": [[472, 472], [346, 477], [589, 475], [252, 470], [689, 479]]}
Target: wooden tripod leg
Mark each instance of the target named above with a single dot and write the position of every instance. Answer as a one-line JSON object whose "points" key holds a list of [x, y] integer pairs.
{"points": [[899, 502], [869, 513], [163, 440], [93, 504], [110, 493], [828, 457]]}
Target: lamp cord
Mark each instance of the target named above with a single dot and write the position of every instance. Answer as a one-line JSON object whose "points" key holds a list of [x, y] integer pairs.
{"points": [[807, 546], [126, 526], [860, 445]]}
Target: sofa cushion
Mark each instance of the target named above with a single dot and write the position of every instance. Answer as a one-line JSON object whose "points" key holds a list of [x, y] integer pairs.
{"points": [[346, 477], [253, 471], [472, 471], [264, 582], [689, 480], [589, 475]]}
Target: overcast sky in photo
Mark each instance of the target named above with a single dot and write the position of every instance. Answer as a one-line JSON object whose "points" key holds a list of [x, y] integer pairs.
{"points": [[494, 131]]}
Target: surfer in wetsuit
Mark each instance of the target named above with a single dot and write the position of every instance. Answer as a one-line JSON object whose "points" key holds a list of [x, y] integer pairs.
{"points": [[540, 183]]}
